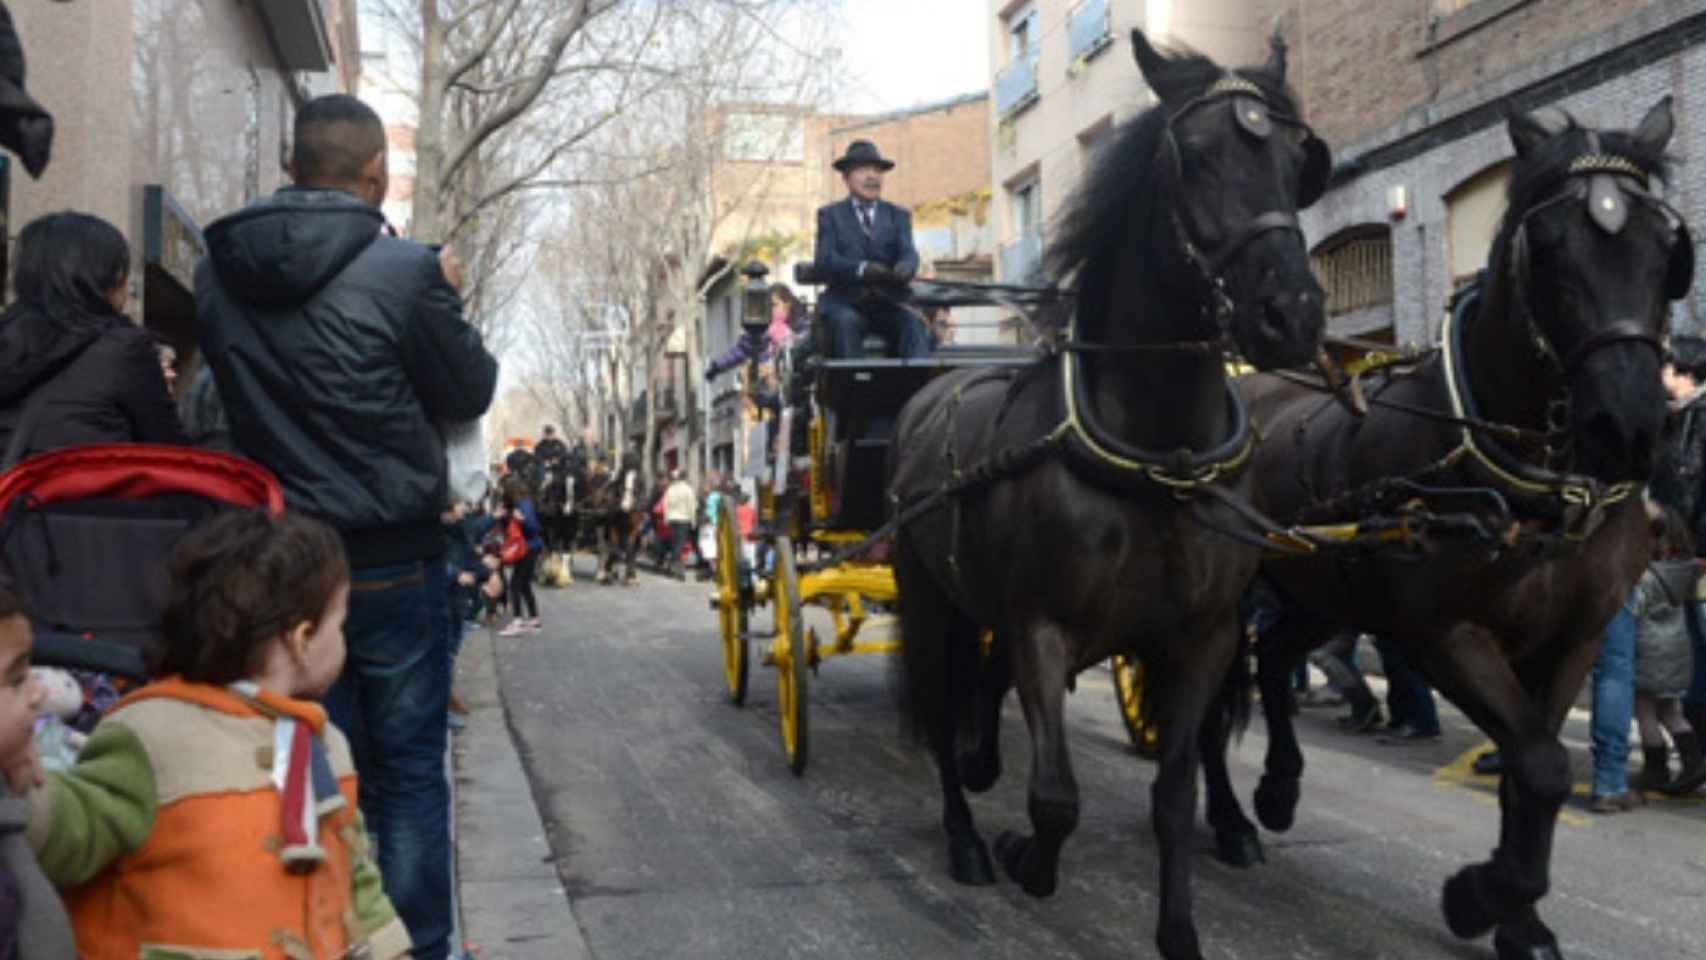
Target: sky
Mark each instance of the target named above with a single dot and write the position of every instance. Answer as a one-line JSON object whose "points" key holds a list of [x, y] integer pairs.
{"points": [[902, 53]]}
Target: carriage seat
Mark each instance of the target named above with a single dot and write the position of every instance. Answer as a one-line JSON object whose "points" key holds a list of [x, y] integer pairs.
{"points": [[873, 344]]}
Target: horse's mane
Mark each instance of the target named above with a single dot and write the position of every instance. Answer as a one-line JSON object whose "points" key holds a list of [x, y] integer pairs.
{"points": [[1536, 175], [1120, 199]]}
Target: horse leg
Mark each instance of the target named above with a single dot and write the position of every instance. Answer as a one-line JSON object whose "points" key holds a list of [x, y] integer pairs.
{"points": [[1279, 650], [1468, 667], [936, 675], [1236, 841], [980, 766], [1186, 683], [1041, 664]]}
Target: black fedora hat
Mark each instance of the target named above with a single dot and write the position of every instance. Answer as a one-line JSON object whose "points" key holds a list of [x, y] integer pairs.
{"points": [[862, 153]]}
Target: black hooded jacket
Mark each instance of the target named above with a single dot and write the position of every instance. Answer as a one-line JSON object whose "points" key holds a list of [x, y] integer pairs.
{"points": [[336, 352], [96, 376]]}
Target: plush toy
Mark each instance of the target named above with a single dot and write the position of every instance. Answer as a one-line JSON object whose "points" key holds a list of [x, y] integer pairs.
{"points": [[57, 742], [64, 697]]}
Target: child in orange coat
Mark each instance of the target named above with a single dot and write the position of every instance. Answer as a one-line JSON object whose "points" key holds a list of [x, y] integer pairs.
{"points": [[214, 812]]}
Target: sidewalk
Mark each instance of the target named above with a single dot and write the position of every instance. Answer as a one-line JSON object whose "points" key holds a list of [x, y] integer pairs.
{"points": [[513, 905]]}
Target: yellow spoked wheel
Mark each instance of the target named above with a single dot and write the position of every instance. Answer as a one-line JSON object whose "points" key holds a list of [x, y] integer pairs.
{"points": [[1128, 684], [731, 608], [790, 658]]}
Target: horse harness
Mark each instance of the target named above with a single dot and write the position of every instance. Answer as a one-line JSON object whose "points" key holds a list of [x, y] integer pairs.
{"points": [[1607, 184], [1256, 118]]}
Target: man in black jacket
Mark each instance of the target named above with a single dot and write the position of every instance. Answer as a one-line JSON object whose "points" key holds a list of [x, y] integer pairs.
{"points": [[337, 350], [1679, 482]]}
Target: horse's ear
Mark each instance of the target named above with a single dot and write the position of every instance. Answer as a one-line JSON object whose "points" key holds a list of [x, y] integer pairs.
{"points": [[1657, 126], [1149, 60], [1276, 56], [1527, 133]]}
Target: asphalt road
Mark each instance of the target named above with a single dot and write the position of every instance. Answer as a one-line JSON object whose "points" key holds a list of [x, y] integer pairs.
{"points": [[678, 831]]}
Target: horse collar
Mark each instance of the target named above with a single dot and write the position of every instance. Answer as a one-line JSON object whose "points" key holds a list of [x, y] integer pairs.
{"points": [[1582, 500], [1182, 472]]}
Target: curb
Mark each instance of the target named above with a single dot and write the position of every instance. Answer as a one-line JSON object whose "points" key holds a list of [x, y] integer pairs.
{"points": [[513, 903]]}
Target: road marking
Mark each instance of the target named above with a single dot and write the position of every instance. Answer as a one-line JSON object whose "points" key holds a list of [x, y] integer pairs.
{"points": [[1461, 773]]}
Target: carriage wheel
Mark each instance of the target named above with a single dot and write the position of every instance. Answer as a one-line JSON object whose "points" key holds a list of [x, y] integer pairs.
{"points": [[731, 609], [790, 658], [1128, 684]]}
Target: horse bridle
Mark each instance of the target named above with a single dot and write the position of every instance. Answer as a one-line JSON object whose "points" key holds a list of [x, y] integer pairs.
{"points": [[1605, 183], [1255, 118]]}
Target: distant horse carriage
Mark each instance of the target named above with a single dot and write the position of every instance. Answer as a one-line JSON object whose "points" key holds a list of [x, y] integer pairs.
{"points": [[561, 482]]}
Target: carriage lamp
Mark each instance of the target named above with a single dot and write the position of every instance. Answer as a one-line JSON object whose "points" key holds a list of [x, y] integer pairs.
{"points": [[755, 299]]}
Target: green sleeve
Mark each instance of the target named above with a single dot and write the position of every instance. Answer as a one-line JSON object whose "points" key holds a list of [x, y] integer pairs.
{"points": [[372, 908], [97, 811]]}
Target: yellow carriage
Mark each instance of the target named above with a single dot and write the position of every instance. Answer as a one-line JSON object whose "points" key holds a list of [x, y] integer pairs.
{"points": [[820, 540]]}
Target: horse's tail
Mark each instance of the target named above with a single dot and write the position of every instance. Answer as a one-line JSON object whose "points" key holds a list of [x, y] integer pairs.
{"points": [[1238, 686], [918, 675]]}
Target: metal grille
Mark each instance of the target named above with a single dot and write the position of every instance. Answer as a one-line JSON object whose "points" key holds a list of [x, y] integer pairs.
{"points": [[1356, 271]]}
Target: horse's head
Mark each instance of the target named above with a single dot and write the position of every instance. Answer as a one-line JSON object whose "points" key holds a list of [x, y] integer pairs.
{"points": [[1239, 162], [1593, 258]]}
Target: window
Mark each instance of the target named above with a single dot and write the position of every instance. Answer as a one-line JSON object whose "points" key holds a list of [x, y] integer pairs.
{"points": [[1089, 30], [1027, 208], [1355, 267], [1092, 140], [1021, 33], [763, 137], [1472, 211]]}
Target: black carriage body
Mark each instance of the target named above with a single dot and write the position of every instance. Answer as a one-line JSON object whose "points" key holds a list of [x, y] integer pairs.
{"points": [[858, 402]]}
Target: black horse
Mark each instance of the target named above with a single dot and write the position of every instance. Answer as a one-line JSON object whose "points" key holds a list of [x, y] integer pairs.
{"points": [[1557, 362], [563, 480], [1110, 463]]}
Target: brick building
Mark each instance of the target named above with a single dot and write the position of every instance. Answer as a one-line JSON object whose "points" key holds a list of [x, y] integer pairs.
{"points": [[776, 171], [1413, 101]]}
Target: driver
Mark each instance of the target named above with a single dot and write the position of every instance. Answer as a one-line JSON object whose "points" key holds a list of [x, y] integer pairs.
{"points": [[864, 249]]}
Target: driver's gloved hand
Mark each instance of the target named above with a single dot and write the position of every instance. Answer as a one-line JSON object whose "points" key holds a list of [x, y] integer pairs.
{"points": [[903, 273], [877, 273]]}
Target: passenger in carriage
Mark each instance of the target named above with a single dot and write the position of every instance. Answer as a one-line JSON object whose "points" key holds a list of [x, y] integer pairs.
{"points": [[865, 252]]}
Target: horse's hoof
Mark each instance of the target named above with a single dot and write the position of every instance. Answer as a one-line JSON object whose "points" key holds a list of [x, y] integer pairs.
{"points": [[1178, 943], [968, 861], [1276, 802], [1465, 909], [1240, 848], [1013, 850], [978, 773], [1508, 948]]}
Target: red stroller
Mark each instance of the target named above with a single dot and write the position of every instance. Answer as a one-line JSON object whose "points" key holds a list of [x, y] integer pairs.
{"points": [[87, 534]]}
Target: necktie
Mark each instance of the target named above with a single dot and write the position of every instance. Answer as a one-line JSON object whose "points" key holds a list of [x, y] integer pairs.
{"points": [[865, 217]]}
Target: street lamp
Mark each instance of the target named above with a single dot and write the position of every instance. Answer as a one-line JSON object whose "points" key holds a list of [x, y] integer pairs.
{"points": [[755, 299]]}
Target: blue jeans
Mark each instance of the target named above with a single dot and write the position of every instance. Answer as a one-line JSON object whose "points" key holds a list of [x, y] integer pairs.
{"points": [[1613, 705], [1697, 685], [1409, 699], [390, 702]]}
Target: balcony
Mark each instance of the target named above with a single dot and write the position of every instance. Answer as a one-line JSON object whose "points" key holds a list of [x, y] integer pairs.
{"points": [[1089, 30], [1022, 260], [298, 30], [1016, 87]]}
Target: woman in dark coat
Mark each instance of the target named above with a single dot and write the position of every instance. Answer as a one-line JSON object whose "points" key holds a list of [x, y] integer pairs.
{"points": [[67, 350]]}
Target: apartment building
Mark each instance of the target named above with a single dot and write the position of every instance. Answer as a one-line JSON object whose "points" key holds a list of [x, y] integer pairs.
{"points": [[1063, 76], [1414, 101], [170, 114]]}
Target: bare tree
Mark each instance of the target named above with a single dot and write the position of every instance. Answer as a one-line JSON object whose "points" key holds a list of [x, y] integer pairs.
{"points": [[644, 237]]}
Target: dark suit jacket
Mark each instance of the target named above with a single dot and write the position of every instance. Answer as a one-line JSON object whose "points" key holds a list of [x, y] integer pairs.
{"points": [[842, 244]]}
